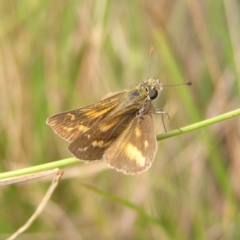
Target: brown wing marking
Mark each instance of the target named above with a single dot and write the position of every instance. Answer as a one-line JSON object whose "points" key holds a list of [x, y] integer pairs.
{"points": [[71, 124], [92, 144]]}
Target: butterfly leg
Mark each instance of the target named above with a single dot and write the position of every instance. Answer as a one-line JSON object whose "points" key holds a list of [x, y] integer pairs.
{"points": [[159, 111]]}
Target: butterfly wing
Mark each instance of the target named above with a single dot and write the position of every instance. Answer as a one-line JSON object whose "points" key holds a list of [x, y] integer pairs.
{"points": [[134, 151], [92, 144], [71, 124]]}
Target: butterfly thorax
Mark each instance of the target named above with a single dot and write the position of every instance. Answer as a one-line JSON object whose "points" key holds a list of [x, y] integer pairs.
{"points": [[143, 94]]}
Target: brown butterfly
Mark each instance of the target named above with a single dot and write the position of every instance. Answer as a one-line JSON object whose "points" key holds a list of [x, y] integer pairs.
{"points": [[118, 129]]}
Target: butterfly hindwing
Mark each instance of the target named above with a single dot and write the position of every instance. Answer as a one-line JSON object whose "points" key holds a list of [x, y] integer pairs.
{"points": [[134, 151]]}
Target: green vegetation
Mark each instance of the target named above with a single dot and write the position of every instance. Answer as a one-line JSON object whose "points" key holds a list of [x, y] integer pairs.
{"points": [[61, 55]]}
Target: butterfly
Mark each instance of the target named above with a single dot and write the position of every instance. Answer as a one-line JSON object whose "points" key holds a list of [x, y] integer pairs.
{"points": [[118, 129]]}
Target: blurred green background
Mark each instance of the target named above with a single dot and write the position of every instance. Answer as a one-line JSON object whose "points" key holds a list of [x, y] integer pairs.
{"points": [[60, 55]]}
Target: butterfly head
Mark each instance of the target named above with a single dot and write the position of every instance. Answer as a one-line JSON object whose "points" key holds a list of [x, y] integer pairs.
{"points": [[152, 87]]}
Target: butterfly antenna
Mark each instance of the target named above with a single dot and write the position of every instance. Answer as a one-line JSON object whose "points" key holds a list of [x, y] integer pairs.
{"points": [[149, 62], [180, 84]]}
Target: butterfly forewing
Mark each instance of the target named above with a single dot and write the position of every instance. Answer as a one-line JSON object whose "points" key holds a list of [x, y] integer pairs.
{"points": [[93, 143], [71, 124], [134, 151]]}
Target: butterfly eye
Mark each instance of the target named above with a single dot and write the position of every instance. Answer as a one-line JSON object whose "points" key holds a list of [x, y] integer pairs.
{"points": [[153, 93]]}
